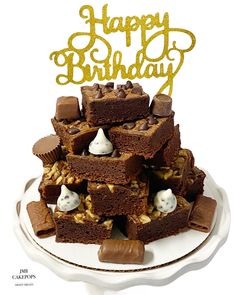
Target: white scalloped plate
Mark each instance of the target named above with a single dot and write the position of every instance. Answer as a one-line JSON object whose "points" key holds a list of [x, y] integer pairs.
{"points": [[165, 259]]}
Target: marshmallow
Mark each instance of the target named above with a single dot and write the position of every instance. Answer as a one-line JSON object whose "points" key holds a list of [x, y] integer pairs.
{"points": [[165, 201], [100, 145], [67, 200]]}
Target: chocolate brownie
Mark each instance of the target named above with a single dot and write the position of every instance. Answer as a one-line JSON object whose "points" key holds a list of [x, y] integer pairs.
{"points": [[175, 175], [155, 225], [104, 105], [143, 137], [118, 170], [168, 152], [114, 199], [194, 184], [81, 225], [75, 135], [54, 176]]}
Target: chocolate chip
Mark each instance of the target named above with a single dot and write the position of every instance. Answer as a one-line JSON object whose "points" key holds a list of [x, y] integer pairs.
{"points": [[128, 85], [121, 94], [96, 86], [66, 197], [110, 84], [73, 130], [115, 154], [129, 125], [99, 94], [152, 120], [137, 90], [107, 89], [144, 127], [85, 152], [66, 122]]}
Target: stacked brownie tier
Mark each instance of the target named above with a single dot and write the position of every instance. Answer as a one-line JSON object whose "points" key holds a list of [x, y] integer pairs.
{"points": [[116, 178]]}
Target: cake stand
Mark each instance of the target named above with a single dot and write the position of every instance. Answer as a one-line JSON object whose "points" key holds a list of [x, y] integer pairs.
{"points": [[165, 260]]}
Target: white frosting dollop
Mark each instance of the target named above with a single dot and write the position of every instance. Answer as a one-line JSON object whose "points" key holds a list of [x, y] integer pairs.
{"points": [[67, 200], [100, 145], [165, 201]]}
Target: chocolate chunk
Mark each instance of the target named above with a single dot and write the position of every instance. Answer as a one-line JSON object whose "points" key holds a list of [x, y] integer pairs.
{"points": [[161, 105], [137, 90], [121, 251], [115, 154], [73, 130], [99, 94], [202, 213], [67, 107], [96, 86], [128, 85], [144, 127], [129, 125], [110, 84], [85, 152], [41, 219], [121, 93], [152, 120], [48, 149]]}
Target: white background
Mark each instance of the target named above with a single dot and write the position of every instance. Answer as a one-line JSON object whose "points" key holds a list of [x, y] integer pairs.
{"points": [[204, 95]]}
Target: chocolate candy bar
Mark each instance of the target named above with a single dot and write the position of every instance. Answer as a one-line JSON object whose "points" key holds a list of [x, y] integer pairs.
{"points": [[41, 219], [67, 108], [121, 251], [202, 213]]}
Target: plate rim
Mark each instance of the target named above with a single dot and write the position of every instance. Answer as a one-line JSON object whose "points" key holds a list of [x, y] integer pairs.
{"points": [[157, 275]]}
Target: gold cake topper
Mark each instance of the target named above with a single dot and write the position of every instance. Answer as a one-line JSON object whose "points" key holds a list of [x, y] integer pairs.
{"points": [[85, 65]]}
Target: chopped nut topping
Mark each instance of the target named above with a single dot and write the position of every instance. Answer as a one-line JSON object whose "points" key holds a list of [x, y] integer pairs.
{"points": [[108, 223], [144, 218], [111, 187], [59, 173]]}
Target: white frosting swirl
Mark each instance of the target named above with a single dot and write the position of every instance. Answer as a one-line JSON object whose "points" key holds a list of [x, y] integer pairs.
{"points": [[67, 200], [165, 201], [100, 145]]}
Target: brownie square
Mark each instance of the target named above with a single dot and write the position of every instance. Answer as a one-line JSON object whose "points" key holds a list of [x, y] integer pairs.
{"points": [[194, 184], [104, 105], [117, 170], [115, 199], [54, 176], [168, 152], [75, 135], [142, 138], [175, 175], [155, 225], [81, 225]]}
